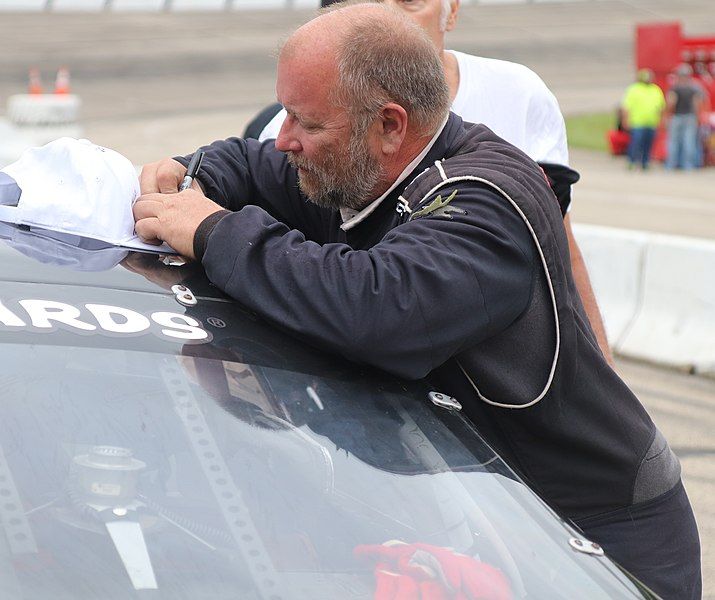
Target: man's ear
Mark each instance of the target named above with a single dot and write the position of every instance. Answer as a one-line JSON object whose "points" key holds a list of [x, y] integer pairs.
{"points": [[452, 19], [393, 127]]}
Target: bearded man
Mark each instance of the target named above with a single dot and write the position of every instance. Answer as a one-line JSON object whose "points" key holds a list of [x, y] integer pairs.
{"points": [[507, 97], [383, 228]]}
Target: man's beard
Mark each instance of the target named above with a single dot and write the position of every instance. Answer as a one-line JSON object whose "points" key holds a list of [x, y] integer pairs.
{"points": [[340, 180]]}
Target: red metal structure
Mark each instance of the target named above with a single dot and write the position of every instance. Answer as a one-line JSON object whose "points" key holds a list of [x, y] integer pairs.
{"points": [[662, 47]]}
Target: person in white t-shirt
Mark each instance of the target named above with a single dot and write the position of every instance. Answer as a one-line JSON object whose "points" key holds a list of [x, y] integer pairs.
{"points": [[515, 103], [519, 107]]}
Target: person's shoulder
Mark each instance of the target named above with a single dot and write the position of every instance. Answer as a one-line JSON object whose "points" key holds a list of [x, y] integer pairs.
{"points": [[515, 103], [656, 90], [699, 87], [634, 90], [509, 71]]}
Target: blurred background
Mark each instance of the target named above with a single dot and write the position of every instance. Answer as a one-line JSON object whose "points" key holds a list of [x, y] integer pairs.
{"points": [[156, 78]]}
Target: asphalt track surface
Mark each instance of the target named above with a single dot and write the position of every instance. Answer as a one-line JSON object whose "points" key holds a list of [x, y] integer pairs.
{"points": [[156, 85]]}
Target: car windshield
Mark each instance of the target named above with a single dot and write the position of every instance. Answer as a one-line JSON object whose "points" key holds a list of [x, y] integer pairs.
{"points": [[127, 472]]}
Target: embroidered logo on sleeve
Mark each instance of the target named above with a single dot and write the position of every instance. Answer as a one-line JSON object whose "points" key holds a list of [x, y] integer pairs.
{"points": [[439, 208]]}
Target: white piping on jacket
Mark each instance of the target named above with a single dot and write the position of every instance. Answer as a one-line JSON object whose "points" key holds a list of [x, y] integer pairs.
{"points": [[447, 181], [438, 164]]}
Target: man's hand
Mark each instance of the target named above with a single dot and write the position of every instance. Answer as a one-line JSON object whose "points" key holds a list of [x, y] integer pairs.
{"points": [[163, 177], [172, 217]]}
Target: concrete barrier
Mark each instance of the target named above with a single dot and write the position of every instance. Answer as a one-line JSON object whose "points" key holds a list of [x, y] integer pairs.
{"points": [[198, 5], [676, 322], [137, 5], [188, 5], [656, 294], [23, 5], [152, 5], [77, 5], [615, 265], [31, 110]]}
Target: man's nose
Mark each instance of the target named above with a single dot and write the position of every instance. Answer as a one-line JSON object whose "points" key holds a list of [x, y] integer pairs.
{"points": [[286, 141]]}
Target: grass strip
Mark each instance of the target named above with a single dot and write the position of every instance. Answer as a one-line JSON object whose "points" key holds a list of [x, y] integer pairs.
{"points": [[588, 131]]}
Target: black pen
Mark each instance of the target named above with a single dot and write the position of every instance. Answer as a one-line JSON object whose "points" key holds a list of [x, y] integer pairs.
{"points": [[192, 170]]}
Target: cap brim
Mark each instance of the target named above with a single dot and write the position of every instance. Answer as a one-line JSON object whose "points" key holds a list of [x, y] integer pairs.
{"points": [[63, 250], [11, 214]]}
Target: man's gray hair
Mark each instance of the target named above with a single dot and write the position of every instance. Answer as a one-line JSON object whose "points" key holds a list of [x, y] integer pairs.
{"points": [[382, 60]]}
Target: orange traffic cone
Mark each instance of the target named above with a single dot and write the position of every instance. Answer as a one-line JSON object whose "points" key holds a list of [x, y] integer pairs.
{"points": [[35, 83], [62, 82]]}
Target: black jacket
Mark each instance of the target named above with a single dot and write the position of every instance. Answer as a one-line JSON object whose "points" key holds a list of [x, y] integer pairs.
{"points": [[471, 286]]}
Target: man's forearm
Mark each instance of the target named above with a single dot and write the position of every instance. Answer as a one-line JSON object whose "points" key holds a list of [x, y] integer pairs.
{"points": [[588, 298], [405, 305]]}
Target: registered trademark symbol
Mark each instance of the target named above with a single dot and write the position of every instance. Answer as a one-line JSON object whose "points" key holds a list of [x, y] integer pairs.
{"points": [[216, 322]]}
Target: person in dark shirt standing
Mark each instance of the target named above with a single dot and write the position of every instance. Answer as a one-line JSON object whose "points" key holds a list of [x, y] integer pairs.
{"points": [[684, 100]]}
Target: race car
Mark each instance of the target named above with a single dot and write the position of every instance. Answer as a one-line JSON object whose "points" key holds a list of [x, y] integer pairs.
{"points": [[158, 440]]}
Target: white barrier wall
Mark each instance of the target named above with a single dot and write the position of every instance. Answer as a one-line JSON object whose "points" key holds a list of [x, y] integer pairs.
{"points": [[151, 5], [656, 294], [22, 5], [188, 5], [615, 264]]}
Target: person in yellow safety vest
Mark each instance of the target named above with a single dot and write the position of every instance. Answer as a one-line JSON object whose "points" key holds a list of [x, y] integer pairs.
{"points": [[643, 105]]}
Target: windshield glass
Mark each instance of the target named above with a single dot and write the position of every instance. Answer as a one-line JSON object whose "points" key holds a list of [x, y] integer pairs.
{"points": [[125, 471]]}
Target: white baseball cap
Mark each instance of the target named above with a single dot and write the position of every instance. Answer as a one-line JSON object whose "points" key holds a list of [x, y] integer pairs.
{"points": [[76, 187], [62, 249]]}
